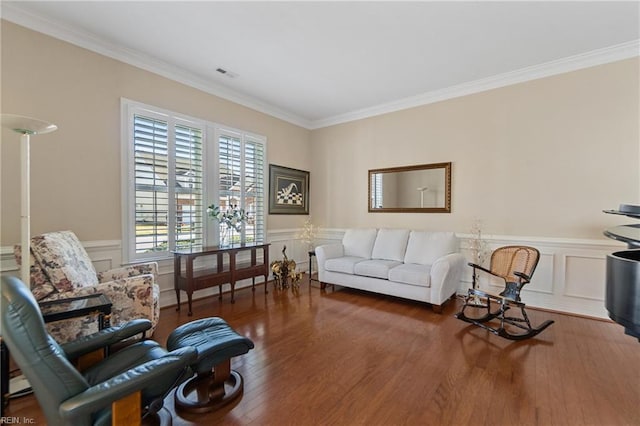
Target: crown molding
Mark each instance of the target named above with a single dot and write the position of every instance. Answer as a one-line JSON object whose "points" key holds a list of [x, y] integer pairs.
{"points": [[86, 40], [13, 13], [572, 63]]}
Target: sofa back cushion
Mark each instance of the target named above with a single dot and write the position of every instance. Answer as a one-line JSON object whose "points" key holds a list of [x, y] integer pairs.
{"points": [[40, 285], [64, 260], [359, 242], [390, 244], [426, 247]]}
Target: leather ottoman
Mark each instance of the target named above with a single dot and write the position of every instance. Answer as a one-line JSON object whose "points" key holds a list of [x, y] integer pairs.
{"points": [[214, 384]]}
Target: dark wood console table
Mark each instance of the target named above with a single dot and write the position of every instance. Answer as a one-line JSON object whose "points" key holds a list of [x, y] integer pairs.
{"points": [[220, 273]]}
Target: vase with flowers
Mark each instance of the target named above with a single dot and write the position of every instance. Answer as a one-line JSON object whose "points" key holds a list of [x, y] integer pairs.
{"points": [[232, 218]]}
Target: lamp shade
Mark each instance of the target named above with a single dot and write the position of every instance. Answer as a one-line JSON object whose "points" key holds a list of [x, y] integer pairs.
{"points": [[27, 125]]}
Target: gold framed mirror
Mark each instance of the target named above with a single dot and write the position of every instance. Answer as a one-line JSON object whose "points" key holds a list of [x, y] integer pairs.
{"points": [[423, 188]]}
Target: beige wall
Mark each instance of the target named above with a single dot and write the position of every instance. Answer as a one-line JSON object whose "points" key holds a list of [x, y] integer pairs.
{"points": [[76, 170], [542, 158]]}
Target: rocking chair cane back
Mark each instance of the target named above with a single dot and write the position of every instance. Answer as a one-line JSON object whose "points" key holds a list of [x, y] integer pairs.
{"points": [[515, 266]]}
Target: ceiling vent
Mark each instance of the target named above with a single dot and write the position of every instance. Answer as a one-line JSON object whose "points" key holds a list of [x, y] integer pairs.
{"points": [[226, 73]]}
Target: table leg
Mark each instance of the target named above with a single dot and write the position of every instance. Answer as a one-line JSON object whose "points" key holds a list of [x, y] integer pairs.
{"points": [[312, 254], [220, 266], [176, 278], [232, 268], [265, 256], [104, 321], [189, 283], [253, 263]]}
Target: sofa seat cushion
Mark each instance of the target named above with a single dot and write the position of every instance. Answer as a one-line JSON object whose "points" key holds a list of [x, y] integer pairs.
{"points": [[376, 268], [411, 273], [344, 264]]}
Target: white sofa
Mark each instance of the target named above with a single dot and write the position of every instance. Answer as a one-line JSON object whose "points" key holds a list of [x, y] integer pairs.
{"points": [[417, 265]]}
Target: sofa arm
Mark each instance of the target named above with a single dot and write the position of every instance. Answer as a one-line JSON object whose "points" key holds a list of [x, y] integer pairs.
{"points": [[129, 271], [445, 277], [133, 297], [327, 251]]}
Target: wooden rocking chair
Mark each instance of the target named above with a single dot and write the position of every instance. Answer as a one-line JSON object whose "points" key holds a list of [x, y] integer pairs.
{"points": [[515, 266]]}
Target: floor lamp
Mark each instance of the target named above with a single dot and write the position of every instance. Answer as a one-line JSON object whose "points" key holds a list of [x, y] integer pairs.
{"points": [[26, 127]]}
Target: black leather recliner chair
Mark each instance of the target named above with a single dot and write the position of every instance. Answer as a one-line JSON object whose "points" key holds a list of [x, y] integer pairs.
{"points": [[69, 397]]}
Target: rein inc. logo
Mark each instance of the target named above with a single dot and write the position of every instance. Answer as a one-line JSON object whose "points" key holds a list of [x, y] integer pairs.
{"points": [[15, 420]]}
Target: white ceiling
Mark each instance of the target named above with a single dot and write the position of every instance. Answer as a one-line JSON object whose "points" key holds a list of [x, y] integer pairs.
{"points": [[321, 63]]}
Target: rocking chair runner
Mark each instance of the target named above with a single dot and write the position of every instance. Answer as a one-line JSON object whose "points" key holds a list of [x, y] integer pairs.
{"points": [[515, 266]]}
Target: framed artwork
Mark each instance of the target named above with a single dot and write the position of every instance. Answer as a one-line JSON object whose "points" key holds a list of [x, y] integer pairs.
{"points": [[288, 190]]}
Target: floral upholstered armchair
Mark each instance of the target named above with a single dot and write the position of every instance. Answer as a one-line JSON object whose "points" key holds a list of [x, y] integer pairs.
{"points": [[61, 268]]}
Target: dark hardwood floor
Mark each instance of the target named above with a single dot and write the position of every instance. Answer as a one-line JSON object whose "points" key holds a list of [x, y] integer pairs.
{"points": [[345, 357]]}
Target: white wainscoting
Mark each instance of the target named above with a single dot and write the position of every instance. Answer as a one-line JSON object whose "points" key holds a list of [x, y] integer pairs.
{"points": [[108, 254], [570, 276]]}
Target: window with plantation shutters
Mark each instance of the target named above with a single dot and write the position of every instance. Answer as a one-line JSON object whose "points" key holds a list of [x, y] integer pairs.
{"points": [[241, 184], [189, 185], [173, 168], [164, 186], [151, 177]]}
